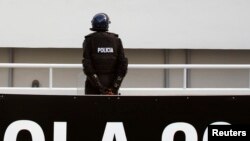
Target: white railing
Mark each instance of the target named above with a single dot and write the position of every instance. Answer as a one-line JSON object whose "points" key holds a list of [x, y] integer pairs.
{"points": [[185, 67], [49, 66]]}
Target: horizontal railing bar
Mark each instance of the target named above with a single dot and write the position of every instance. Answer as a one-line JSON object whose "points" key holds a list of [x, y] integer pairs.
{"points": [[132, 66], [189, 66], [37, 65], [132, 91]]}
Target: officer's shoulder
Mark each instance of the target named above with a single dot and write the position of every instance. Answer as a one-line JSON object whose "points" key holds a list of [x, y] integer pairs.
{"points": [[113, 34], [89, 35]]}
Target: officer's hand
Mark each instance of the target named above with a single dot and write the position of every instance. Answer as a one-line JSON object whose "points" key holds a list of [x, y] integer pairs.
{"points": [[102, 90], [109, 92]]}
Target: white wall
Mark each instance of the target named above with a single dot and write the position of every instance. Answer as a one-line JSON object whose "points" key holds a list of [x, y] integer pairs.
{"points": [[182, 24], [145, 77], [62, 77], [219, 78]]}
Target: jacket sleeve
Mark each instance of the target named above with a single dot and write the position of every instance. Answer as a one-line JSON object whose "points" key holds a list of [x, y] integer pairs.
{"points": [[86, 60], [122, 61], [88, 68], [122, 68]]}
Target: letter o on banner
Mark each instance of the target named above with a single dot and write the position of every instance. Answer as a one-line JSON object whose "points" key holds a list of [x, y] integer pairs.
{"points": [[171, 129], [15, 127]]}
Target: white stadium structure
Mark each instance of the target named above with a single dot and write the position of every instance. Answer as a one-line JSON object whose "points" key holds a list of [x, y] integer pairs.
{"points": [[174, 47]]}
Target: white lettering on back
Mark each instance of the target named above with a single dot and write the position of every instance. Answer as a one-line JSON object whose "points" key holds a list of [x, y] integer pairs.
{"points": [[105, 50]]}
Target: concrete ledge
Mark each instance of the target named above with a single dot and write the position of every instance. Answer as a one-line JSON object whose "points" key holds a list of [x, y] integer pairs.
{"points": [[131, 91]]}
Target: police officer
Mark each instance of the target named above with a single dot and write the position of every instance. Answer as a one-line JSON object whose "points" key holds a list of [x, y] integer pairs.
{"points": [[104, 62]]}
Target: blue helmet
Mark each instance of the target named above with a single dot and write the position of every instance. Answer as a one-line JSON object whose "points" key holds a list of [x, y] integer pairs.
{"points": [[100, 22]]}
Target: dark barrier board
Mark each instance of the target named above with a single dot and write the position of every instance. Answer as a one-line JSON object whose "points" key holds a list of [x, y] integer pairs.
{"points": [[125, 118]]}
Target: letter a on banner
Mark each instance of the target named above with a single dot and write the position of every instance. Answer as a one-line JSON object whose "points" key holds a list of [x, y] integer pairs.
{"points": [[114, 129]]}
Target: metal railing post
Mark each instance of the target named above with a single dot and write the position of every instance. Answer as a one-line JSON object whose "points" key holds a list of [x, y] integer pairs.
{"points": [[249, 78], [185, 78], [50, 77]]}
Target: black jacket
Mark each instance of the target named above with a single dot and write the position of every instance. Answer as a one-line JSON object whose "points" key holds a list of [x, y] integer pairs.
{"points": [[103, 55]]}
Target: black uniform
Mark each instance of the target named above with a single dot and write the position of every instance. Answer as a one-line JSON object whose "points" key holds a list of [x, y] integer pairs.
{"points": [[104, 62]]}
